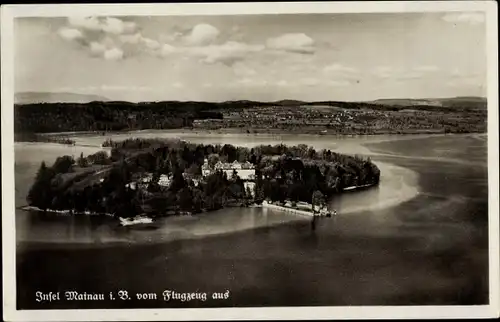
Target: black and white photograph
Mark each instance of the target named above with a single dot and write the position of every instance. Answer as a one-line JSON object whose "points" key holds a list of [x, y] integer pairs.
{"points": [[299, 161]]}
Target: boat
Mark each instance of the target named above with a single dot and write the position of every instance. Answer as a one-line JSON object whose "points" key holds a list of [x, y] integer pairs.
{"points": [[137, 220], [141, 220]]}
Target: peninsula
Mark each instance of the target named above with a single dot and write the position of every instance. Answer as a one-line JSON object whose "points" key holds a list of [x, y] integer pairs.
{"points": [[161, 177]]}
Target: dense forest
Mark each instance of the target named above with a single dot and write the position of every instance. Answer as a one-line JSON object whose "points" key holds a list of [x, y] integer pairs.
{"points": [[98, 182], [109, 116]]}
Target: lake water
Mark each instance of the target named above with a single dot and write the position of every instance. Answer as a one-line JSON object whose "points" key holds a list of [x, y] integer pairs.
{"points": [[419, 238]]}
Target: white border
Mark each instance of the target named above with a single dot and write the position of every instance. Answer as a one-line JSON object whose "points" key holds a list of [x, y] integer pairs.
{"points": [[8, 14]]}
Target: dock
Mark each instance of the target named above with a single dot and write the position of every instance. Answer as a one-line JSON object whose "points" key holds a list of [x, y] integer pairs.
{"points": [[265, 204]]}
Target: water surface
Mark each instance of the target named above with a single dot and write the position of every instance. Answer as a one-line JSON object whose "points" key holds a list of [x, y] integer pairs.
{"points": [[420, 238]]}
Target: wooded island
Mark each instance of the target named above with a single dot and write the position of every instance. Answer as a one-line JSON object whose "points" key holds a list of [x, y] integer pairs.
{"points": [[158, 177]]}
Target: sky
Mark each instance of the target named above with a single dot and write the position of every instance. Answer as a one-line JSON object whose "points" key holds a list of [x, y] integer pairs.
{"points": [[307, 57]]}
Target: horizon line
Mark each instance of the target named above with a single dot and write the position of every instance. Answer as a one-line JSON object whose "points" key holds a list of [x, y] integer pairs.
{"points": [[106, 99]]}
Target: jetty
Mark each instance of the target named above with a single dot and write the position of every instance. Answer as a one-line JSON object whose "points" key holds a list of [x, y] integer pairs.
{"points": [[308, 213], [352, 188]]}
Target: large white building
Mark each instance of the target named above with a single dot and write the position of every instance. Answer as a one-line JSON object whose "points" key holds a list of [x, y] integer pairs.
{"points": [[246, 171]]}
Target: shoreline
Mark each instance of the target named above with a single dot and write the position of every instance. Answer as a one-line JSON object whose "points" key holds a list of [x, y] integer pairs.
{"points": [[311, 213], [67, 212], [259, 132]]}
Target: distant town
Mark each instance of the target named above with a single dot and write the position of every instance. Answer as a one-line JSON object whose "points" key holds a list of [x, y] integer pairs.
{"points": [[336, 120]]}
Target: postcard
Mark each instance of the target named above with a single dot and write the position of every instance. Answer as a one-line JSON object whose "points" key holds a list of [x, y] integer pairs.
{"points": [[322, 160]]}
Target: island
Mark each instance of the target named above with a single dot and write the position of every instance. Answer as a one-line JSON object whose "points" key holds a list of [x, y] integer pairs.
{"points": [[163, 177]]}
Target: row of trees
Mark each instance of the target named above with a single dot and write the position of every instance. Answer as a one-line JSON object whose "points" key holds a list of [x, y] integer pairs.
{"points": [[33, 137]]}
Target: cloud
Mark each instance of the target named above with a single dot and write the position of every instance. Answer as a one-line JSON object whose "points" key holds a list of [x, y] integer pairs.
{"points": [[105, 37], [283, 83], [457, 73], [408, 75], [227, 53], [150, 43], [167, 49], [113, 26], [383, 71], [472, 18], [417, 72], [106, 88], [113, 54], [466, 81], [178, 85], [129, 27], [131, 39], [241, 69], [426, 69], [340, 71], [89, 23], [108, 25], [295, 42], [97, 48], [336, 67], [127, 88], [251, 82], [202, 35], [113, 39], [70, 33], [340, 83], [310, 81]]}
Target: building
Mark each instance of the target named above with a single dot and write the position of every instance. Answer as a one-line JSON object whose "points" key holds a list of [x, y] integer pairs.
{"points": [[208, 124], [246, 171], [143, 182], [164, 180], [187, 176], [249, 185]]}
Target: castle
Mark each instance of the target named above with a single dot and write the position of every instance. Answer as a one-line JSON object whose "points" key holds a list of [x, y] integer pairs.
{"points": [[246, 170]]}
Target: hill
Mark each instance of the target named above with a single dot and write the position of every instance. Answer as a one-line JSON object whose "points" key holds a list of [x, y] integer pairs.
{"points": [[60, 97]]}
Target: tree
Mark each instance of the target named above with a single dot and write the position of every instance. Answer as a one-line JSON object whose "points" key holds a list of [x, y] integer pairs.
{"points": [[178, 181], [318, 200], [234, 175], [82, 161], [237, 190], [212, 160], [249, 192], [100, 157], [63, 164], [242, 154], [294, 192], [40, 194], [194, 169], [259, 194], [185, 199], [153, 185], [197, 200]]}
